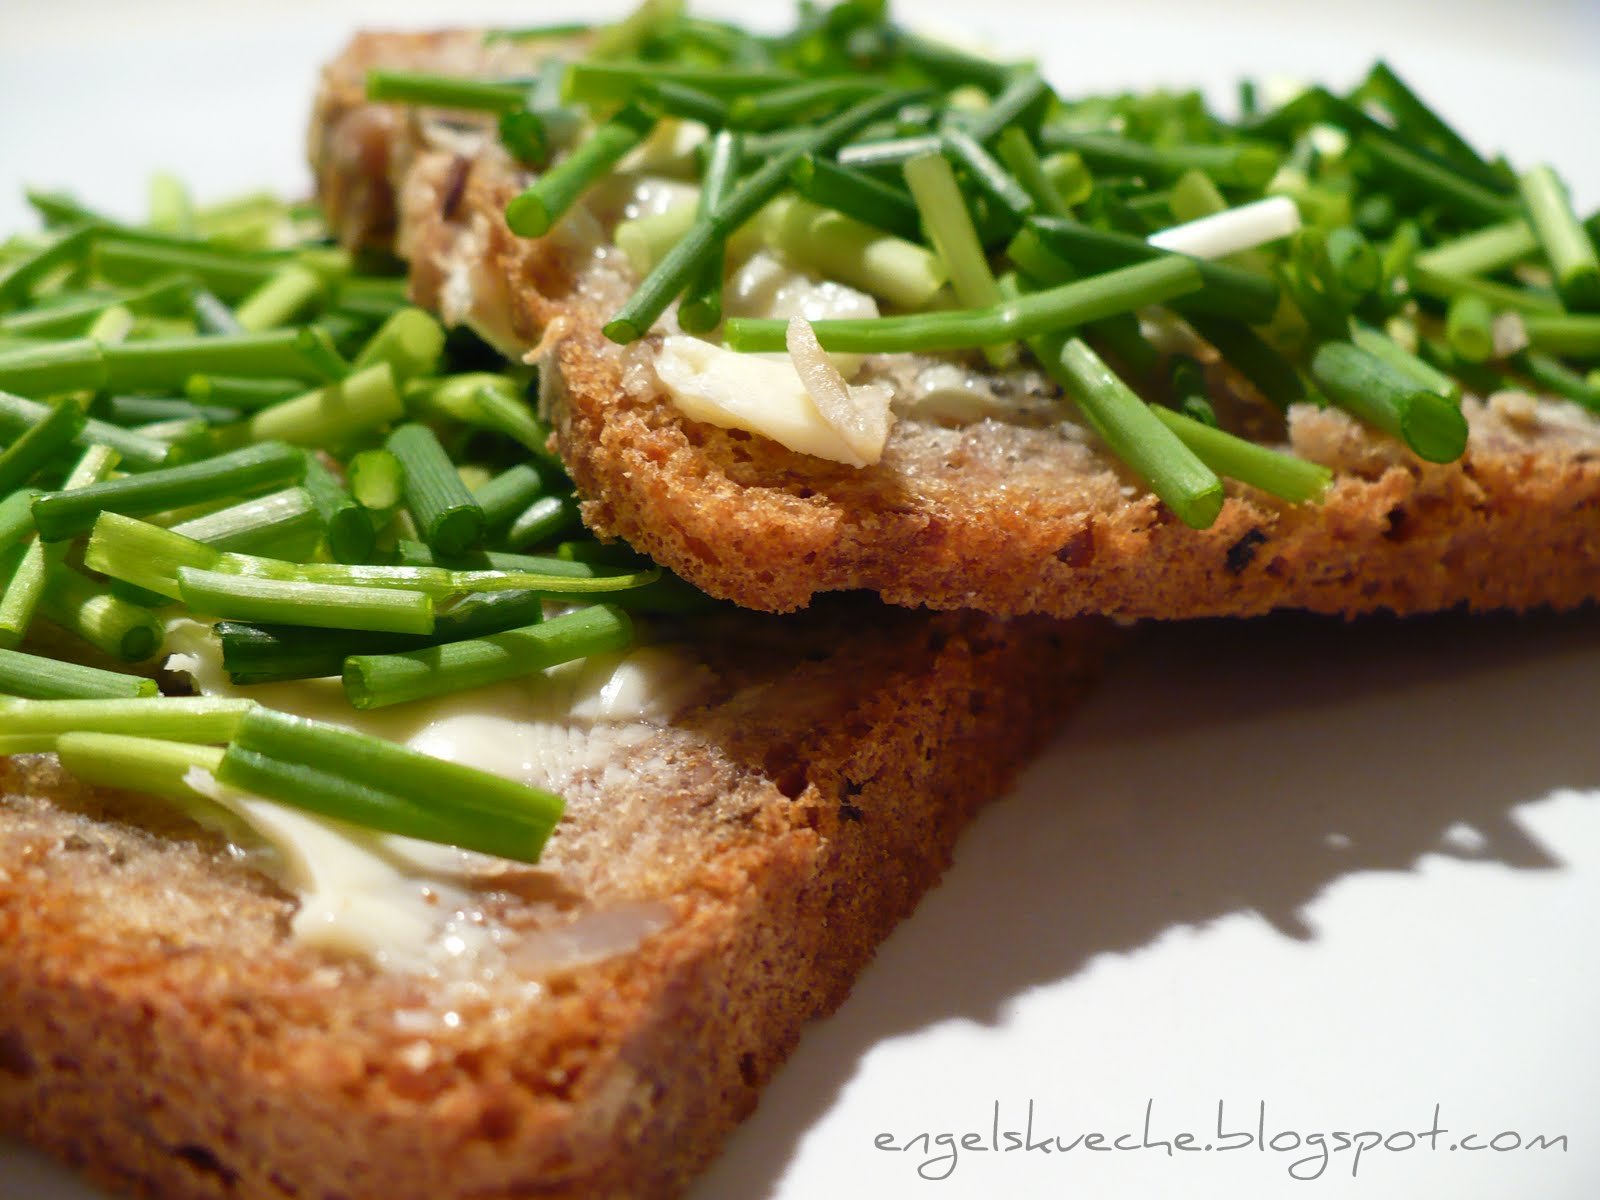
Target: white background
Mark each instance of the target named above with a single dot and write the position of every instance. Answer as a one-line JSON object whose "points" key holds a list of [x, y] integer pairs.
{"points": [[1348, 871]]}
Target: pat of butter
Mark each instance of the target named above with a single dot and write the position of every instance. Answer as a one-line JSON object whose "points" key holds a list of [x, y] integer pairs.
{"points": [[752, 392]]}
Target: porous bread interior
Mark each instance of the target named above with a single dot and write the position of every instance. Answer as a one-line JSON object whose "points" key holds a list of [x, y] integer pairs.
{"points": [[1000, 516]]}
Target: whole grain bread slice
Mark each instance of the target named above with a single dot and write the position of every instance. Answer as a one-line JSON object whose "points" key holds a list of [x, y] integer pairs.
{"points": [[1007, 516], [161, 1030]]}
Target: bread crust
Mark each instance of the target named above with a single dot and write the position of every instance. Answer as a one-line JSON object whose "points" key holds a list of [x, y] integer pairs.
{"points": [[1001, 516], [159, 1029]]}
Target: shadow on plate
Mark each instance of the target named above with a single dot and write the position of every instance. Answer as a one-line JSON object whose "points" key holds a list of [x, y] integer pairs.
{"points": [[1223, 768]]}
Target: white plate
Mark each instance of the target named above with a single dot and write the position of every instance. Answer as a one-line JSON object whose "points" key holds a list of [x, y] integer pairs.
{"points": [[1334, 878]]}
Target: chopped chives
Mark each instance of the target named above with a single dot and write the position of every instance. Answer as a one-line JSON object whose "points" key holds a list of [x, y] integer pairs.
{"points": [[145, 410], [43, 443], [143, 555], [1136, 436], [240, 392], [349, 527], [890, 154], [323, 605], [541, 205], [1023, 92], [485, 401], [1225, 290], [284, 524], [171, 208], [334, 413], [197, 719], [1573, 337], [791, 104], [37, 678], [137, 452], [377, 681], [124, 259], [1016, 150], [1567, 245], [1124, 290], [1244, 164], [700, 309], [1469, 327], [988, 175], [165, 364], [944, 215], [290, 290], [1555, 376], [645, 240], [443, 91], [16, 517], [1418, 121], [502, 498], [374, 478], [1271, 471], [1446, 287], [447, 516], [1381, 346], [354, 777], [1483, 251], [591, 82], [1247, 352], [110, 624], [67, 514], [828, 185], [69, 245], [50, 368], [410, 340], [948, 64], [544, 519], [673, 273], [1391, 401], [1434, 182], [842, 248], [150, 766]]}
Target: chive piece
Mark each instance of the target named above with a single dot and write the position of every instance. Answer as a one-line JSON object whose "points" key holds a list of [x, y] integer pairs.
{"points": [[349, 527], [1125, 290], [1501, 296], [540, 206], [484, 401], [1574, 337], [989, 176], [198, 719], [155, 768], [145, 410], [50, 368], [410, 340], [325, 606], [1469, 328], [374, 477], [952, 66], [673, 273], [949, 225], [591, 82], [1381, 346], [123, 259], [434, 799], [647, 239], [335, 413], [171, 208], [700, 309], [1554, 376], [285, 524], [543, 520], [1384, 398], [445, 512], [443, 91], [22, 577], [143, 555], [502, 498], [70, 318], [1025, 90], [798, 102], [40, 445], [1566, 243], [1482, 252], [1248, 165], [253, 654], [377, 681], [1247, 352], [844, 249], [868, 200], [239, 392], [18, 277], [109, 624], [1418, 121], [46, 679], [690, 103], [1016, 151], [1136, 436], [165, 364], [16, 517], [1271, 471], [291, 289], [1226, 291], [890, 154], [1430, 181], [67, 514]]}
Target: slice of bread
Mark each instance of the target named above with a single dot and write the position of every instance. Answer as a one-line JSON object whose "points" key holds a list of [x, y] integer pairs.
{"points": [[716, 883], [1008, 516]]}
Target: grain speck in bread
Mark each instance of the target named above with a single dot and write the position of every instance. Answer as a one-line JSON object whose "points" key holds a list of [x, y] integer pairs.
{"points": [[160, 1030], [1004, 516]]}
